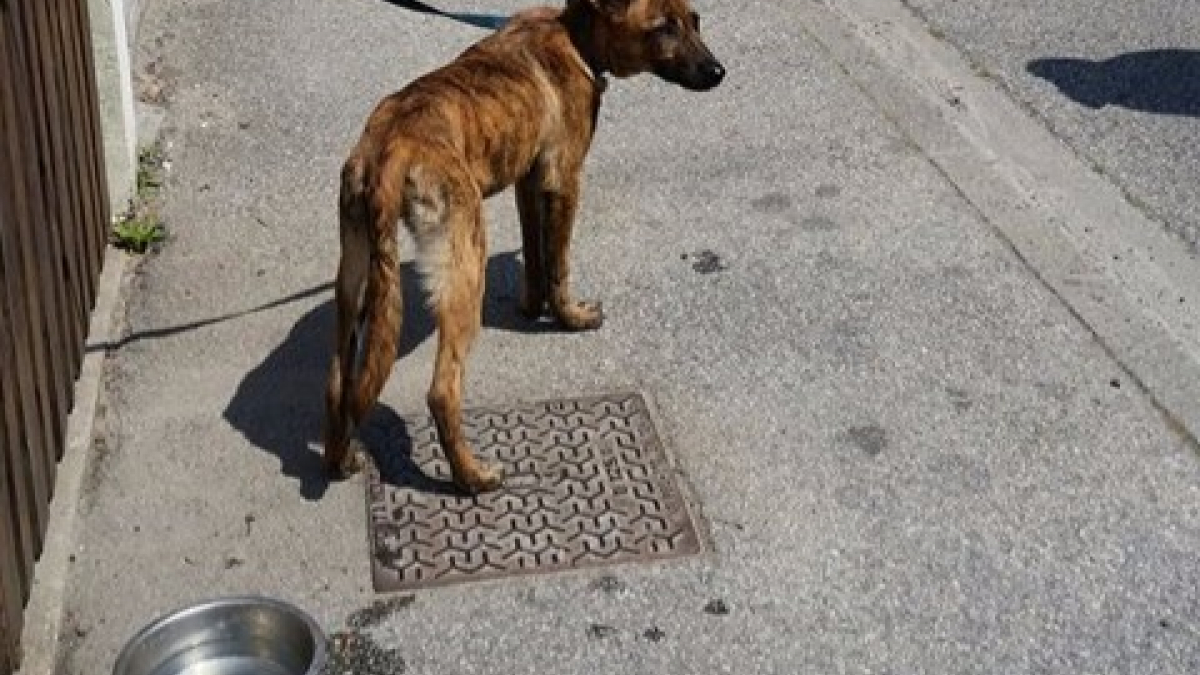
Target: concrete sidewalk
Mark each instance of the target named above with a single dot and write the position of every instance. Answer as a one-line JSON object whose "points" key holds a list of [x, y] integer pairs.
{"points": [[930, 429]]}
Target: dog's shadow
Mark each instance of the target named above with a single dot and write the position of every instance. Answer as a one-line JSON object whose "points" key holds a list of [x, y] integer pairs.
{"points": [[279, 405], [391, 446]]}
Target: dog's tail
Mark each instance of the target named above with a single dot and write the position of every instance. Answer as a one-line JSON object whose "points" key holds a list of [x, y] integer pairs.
{"points": [[382, 309], [368, 315]]}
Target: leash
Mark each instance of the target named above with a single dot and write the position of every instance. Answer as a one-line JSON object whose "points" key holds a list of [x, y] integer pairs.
{"points": [[417, 6], [488, 21]]}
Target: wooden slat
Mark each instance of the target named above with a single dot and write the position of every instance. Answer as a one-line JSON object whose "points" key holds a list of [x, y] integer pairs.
{"points": [[26, 439], [56, 56], [9, 649], [97, 184], [13, 571], [13, 550], [78, 265], [50, 341], [19, 556], [35, 375], [92, 135], [10, 579], [61, 132], [15, 454], [78, 103]]}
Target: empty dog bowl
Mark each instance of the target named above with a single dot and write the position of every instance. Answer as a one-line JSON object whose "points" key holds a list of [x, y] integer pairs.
{"points": [[230, 636]]}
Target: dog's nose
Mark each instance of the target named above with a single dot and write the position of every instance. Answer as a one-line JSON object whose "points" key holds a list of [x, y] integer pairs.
{"points": [[713, 72]]}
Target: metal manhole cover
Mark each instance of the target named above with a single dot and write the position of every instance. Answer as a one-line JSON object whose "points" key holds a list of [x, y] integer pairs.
{"points": [[586, 483]]}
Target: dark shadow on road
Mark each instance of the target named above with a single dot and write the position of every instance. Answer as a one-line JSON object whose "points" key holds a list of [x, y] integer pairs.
{"points": [[486, 21], [391, 448], [1161, 81], [278, 406]]}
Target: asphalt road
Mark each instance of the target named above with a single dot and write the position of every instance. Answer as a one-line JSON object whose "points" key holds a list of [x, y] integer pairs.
{"points": [[916, 448], [1118, 81]]}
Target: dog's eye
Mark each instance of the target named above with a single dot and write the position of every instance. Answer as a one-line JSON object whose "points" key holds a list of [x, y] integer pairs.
{"points": [[695, 20], [666, 28]]}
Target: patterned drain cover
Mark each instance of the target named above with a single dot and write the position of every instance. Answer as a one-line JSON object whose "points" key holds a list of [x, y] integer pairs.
{"points": [[586, 483]]}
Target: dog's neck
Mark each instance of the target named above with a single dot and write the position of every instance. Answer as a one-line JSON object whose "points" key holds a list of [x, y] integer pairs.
{"points": [[578, 20]]}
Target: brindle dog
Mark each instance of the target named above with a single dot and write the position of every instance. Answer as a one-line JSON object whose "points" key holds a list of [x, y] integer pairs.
{"points": [[519, 107]]}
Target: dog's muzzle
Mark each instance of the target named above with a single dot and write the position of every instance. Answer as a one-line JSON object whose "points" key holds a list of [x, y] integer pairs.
{"points": [[709, 74], [698, 76]]}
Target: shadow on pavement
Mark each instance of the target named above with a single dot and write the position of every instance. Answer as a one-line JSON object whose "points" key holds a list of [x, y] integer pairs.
{"points": [[279, 405], [1161, 81], [391, 447]]}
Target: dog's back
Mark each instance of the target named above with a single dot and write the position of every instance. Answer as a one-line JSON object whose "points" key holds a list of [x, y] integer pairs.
{"points": [[495, 107]]}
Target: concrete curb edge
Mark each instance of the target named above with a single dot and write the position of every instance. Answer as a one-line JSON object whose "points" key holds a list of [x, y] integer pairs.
{"points": [[44, 612]]}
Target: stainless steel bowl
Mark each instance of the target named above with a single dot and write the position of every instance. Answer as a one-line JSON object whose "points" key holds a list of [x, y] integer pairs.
{"points": [[230, 636]]}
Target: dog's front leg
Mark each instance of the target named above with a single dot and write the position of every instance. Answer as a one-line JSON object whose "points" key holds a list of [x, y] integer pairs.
{"points": [[558, 208]]}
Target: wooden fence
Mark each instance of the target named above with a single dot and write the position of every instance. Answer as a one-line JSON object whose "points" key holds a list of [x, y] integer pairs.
{"points": [[53, 225]]}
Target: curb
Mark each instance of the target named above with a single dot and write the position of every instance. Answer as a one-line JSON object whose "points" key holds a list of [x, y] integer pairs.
{"points": [[44, 612], [1119, 273]]}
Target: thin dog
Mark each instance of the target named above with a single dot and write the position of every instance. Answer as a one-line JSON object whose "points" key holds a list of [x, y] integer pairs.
{"points": [[518, 107]]}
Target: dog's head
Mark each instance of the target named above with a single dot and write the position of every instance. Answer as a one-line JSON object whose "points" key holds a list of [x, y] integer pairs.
{"points": [[656, 36]]}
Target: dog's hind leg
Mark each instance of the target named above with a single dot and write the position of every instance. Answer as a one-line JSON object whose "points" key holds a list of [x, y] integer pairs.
{"points": [[452, 251]]}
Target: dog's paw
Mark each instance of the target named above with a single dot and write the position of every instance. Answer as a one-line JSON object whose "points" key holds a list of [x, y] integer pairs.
{"points": [[581, 315], [353, 461], [483, 478]]}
